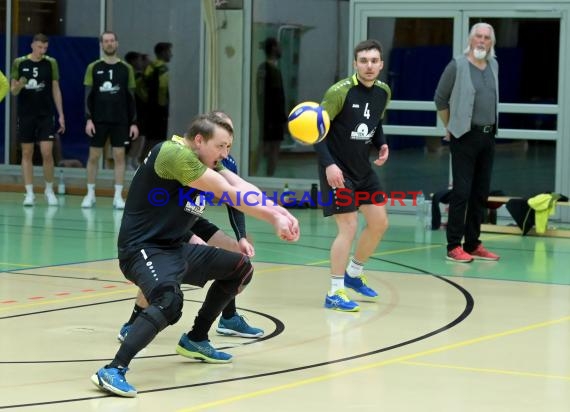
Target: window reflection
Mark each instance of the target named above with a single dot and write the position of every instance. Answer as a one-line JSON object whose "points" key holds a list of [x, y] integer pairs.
{"points": [[313, 57]]}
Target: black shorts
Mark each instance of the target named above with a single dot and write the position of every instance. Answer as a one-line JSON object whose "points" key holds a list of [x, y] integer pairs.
{"points": [[33, 129], [366, 191], [188, 264], [119, 134]]}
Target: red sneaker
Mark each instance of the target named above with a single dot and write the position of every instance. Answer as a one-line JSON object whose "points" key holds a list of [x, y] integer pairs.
{"points": [[481, 253], [459, 255]]}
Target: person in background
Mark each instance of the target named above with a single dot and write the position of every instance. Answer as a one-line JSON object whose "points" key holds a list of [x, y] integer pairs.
{"points": [[156, 96], [4, 86], [111, 113], [271, 103], [35, 80], [467, 101], [139, 62]]}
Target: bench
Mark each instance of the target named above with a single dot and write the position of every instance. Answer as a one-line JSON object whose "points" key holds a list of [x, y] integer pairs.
{"points": [[515, 230]]}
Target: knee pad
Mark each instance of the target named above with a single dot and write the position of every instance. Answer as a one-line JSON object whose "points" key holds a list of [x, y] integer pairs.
{"points": [[169, 300], [242, 274]]}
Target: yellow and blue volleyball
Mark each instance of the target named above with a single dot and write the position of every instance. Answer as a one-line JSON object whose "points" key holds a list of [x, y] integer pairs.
{"points": [[308, 123]]}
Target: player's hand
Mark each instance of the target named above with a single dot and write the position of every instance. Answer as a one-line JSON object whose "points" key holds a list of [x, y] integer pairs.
{"points": [[447, 136], [196, 240], [246, 248], [287, 228], [335, 178], [90, 128], [134, 132], [382, 155], [61, 121]]}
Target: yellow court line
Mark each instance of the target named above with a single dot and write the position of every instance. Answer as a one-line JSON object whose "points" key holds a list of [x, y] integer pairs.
{"points": [[15, 264], [487, 370], [412, 249], [388, 252], [400, 359]]}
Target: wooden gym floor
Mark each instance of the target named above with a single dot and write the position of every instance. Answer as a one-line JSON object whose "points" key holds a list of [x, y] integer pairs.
{"points": [[486, 336]]}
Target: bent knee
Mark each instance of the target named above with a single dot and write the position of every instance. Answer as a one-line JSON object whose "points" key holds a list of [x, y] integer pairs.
{"points": [[243, 273], [169, 299]]}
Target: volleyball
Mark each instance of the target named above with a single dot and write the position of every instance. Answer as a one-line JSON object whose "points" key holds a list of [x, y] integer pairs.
{"points": [[308, 123]]}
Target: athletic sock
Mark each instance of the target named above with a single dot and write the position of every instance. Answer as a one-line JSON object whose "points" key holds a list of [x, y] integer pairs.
{"points": [[337, 282], [29, 189], [119, 191], [136, 311], [354, 268], [230, 310]]}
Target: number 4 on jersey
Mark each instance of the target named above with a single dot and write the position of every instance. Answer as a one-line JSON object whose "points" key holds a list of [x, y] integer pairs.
{"points": [[367, 111]]}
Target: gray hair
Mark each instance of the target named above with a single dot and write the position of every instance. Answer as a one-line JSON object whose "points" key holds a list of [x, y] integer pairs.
{"points": [[472, 34]]}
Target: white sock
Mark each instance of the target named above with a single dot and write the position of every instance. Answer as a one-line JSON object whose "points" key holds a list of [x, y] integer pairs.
{"points": [[49, 186], [119, 191], [91, 189], [29, 189], [354, 268], [337, 282]]}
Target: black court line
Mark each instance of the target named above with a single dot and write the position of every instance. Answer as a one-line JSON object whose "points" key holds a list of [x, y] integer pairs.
{"points": [[469, 305], [278, 330]]}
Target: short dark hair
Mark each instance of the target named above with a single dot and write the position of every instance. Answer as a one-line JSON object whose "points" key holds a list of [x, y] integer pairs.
{"points": [[369, 44], [131, 56], [108, 32], [205, 124], [268, 44], [161, 47], [42, 38]]}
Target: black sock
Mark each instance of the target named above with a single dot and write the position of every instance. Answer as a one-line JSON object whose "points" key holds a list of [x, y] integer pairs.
{"points": [[136, 311], [216, 300], [230, 310]]}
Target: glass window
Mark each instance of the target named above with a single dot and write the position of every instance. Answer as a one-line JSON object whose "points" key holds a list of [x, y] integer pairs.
{"points": [[72, 28], [416, 50], [526, 167], [7, 74], [142, 24], [290, 63]]}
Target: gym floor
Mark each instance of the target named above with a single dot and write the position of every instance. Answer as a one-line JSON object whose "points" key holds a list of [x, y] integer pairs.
{"points": [[485, 336]]}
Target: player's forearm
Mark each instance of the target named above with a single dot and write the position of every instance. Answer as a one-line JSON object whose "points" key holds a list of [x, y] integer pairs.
{"points": [[58, 100], [15, 87], [88, 112], [444, 116]]}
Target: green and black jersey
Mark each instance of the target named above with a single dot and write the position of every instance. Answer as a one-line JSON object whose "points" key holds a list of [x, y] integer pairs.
{"points": [[356, 114], [36, 98], [110, 95], [161, 207], [156, 79]]}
